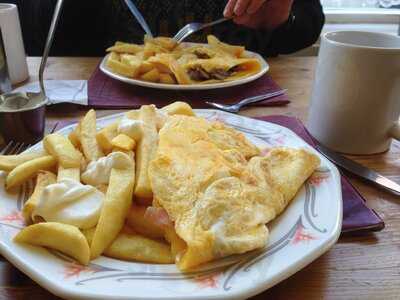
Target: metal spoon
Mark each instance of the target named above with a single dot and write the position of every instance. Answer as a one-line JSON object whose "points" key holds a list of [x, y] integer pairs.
{"points": [[12, 101]]}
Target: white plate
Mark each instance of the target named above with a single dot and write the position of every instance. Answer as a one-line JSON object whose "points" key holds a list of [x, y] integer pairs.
{"points": [[264, 69], [307, 228]]}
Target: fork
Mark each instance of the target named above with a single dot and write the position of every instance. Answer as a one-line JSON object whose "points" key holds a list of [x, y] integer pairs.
{"points": [[190, 28], [14, 148], [234, 108]]}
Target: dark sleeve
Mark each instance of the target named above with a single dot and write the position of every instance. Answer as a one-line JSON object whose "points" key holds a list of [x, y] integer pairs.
{"points": [[302, 29]]}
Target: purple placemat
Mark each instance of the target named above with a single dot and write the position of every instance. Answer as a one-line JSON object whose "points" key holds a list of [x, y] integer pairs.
{"points": [[106, 92], [357, 216]]}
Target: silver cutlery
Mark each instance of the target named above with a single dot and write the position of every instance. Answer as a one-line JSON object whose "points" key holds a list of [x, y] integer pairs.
{"points": [[136, 13], [234, 108], [20, 99], [13, 148], [22, 114], [359, 170], [194, 27]]}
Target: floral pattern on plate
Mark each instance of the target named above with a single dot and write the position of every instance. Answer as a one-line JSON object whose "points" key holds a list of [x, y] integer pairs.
{"points": [[308, 228]]}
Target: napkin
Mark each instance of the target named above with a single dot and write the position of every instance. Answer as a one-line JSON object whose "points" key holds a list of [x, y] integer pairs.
{"points": [[106, 92], [357, 216], [60, 91]]}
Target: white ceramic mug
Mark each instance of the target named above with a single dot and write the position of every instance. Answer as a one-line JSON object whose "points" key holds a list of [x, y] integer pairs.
{"points": [[355, 103], [13, 43]]}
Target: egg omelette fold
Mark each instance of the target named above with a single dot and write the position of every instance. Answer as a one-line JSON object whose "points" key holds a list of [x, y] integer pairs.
{"points": [[218, 190]]}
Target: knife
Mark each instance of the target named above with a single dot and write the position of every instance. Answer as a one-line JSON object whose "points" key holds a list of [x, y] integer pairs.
{"points": [[359, 170], [132, 7]]}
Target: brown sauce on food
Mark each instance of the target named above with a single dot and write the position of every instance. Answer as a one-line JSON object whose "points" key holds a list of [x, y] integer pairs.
{"points": [[199, 74], [201, 55]]}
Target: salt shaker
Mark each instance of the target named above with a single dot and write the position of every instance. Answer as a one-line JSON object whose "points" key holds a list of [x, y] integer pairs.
{"points": [[5, 83]]}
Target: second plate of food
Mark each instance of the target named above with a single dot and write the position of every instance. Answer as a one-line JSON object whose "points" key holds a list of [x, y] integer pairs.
{"points": [[160, 64]]}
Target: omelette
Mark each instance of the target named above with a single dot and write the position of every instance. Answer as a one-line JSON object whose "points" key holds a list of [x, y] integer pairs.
{"points": [[217, 188]]}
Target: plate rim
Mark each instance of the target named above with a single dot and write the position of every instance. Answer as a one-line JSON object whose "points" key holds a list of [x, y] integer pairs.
{"points": [[332, 237], [193, 87]]}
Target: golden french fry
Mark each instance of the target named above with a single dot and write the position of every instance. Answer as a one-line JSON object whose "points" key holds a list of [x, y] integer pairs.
{"points": [[123, 142], [178, 246], [161, 62], [162, 69], [9, 162], [62, 237], [84, 164], [145, 67], [146, 150], [140, 55], [121, 47], [167, 78], [63, 150], [68, 173], [73, 137], [153, 75], [105, 136], [151, 49], [130, 153], [165, 42], [90, 146], [137, 220], [115, 208], [138, 248], [28, 169], [43, 179], [178, 108], [115, 56], [131, 60], [121, 68], [133, 247]]}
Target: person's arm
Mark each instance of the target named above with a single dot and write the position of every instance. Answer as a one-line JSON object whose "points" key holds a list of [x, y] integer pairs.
{"points": [[289, 25], [301, 30]]}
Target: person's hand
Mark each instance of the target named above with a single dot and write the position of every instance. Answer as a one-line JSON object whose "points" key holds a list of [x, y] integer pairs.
{"points": [[258, 14]]}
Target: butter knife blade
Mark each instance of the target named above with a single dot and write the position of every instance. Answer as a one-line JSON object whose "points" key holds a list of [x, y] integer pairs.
{"points": [[136, 13], [359, 170]]}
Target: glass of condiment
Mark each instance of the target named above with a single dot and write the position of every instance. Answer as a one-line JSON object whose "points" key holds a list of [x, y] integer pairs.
{"points": [[22, 121]]}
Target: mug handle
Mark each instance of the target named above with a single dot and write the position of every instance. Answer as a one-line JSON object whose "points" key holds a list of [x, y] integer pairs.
{"points": [[395, 131]]}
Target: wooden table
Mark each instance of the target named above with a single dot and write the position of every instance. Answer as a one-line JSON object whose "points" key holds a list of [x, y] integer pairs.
{"points": [[365, 266]]}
